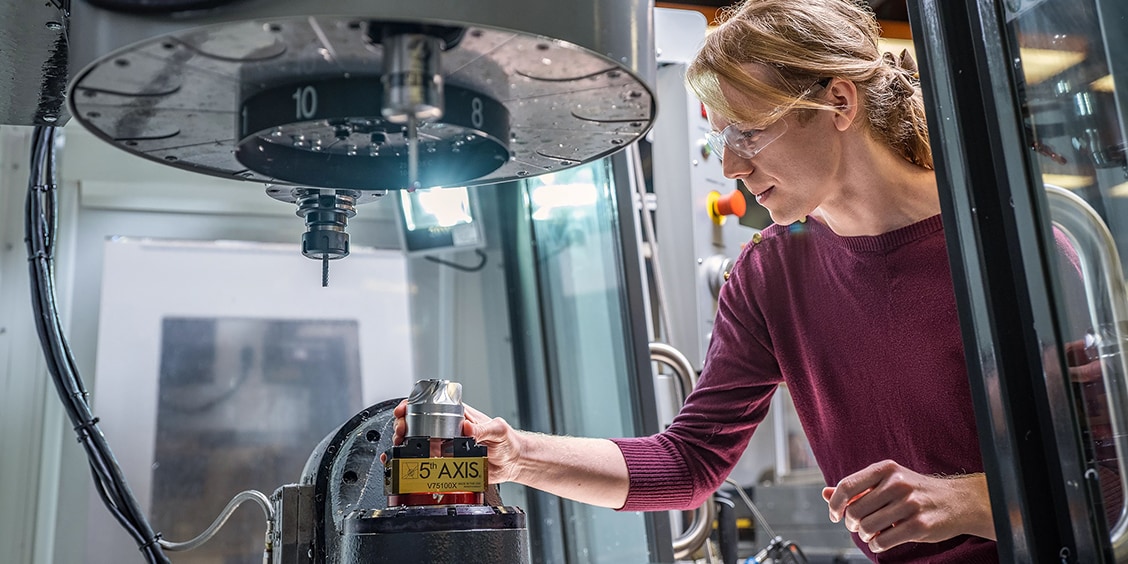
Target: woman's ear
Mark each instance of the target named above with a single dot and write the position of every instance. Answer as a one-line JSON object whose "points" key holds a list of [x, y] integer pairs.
{"points": [[844, 96]]}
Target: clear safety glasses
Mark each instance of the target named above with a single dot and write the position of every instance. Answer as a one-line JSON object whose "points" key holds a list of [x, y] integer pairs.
{"points": [[747, 142], [744, 141]]}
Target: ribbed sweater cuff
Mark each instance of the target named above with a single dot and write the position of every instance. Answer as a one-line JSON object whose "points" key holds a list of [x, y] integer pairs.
{"points": [[659, 477]]}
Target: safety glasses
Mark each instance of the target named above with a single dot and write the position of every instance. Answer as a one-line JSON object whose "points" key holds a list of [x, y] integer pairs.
{"points": [[747, 142], [744, 141]]}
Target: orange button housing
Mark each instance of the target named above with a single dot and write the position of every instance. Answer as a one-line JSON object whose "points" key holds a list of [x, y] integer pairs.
{"points": [[719, 206], [732, 204]]}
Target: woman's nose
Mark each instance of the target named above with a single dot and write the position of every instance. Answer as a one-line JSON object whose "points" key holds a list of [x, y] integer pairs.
{"points": [[735, 166]]}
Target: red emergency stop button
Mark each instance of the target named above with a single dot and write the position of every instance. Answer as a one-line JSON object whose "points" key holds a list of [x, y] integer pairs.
{"points": [[721, 206]]}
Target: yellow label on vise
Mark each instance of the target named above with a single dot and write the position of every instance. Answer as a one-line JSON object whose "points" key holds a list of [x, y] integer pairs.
{"points": [[423, 475]]}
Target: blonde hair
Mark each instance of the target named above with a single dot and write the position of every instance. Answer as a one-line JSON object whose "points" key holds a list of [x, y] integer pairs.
{"points": [[800, 42]]}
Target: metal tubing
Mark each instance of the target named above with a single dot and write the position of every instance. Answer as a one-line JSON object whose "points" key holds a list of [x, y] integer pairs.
{"points": [[1105, 286], [694, 537], [683, 368], [249, 495]]}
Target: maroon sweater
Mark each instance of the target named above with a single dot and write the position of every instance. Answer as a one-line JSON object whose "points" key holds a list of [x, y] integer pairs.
{"points": [[864, 332]]}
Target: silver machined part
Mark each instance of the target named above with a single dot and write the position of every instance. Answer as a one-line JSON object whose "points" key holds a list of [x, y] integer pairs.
{"points": [[413, 83], [326, 213], [434, 409], [291, 194]]}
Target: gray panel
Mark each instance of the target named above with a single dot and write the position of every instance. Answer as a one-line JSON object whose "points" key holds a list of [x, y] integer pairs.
{"points": [[691, 246]]}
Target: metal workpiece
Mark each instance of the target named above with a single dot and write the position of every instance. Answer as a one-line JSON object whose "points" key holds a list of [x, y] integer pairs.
{"points": [[436, 465], [270, 90], [434, 409]]}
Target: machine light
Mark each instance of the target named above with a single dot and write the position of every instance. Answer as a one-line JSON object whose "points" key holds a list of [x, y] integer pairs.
{"points": [[1040, 64], [439, 219], [549, 197], [1119, 191], [1103, 84], [437, 207], [1068, 181]]}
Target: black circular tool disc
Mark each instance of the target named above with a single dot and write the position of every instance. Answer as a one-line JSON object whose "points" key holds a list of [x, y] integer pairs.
{"points": [[330, 133], [176, 97]]}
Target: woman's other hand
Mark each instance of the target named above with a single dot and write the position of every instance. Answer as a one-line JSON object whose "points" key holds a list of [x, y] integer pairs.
{"points": [[888, 505]]}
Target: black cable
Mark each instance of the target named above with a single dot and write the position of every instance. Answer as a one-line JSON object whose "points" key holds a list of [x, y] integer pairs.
{"points": [[59, 359], [456, 266], [43, 293], [41, 222], [38, 240]]}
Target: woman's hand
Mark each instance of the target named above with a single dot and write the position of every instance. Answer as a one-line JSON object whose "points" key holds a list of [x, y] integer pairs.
{"points": [[495, 434], [586, 470], [887, 505], [501, 439]]}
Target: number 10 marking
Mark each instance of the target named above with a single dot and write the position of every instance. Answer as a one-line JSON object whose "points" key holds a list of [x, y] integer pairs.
{"points": [[305, 102]]}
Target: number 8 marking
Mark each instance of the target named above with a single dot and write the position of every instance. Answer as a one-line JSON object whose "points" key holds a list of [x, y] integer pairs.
{"points": [[476, 117]]}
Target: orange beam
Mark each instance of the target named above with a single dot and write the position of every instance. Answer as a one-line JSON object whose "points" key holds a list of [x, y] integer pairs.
{"points": [[895, 29], [710, 13]]}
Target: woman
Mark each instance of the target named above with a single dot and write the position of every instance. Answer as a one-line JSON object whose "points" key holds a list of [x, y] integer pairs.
{"points": [[847, 298]]}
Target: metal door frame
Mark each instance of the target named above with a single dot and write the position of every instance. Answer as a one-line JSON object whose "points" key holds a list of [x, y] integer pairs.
{"points": [[1001, 250], [528, 329]]}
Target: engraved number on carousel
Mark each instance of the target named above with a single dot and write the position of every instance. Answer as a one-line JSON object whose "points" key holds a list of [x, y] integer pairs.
{"points": [[476, 118], [305, 102]]}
